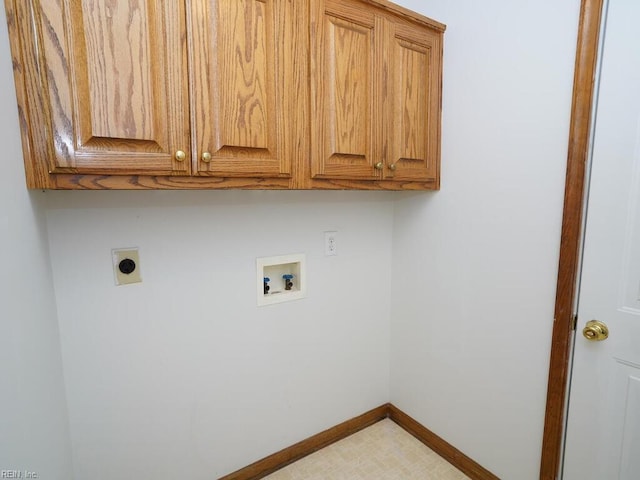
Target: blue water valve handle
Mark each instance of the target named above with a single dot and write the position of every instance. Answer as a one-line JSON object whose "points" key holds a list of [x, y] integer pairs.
{"points": [[288, 284], [265, 284], [266, 279]]}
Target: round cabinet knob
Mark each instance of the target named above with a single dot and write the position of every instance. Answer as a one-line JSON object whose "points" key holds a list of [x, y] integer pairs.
{"points": [[595, 331], [392, 167], [206, 157], [379, 166], [181, 156]]}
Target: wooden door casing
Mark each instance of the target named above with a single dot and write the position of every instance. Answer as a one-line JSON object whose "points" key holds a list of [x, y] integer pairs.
{"points": [[570, 245]]}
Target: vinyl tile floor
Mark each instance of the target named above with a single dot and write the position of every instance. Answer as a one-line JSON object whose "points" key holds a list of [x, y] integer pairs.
{"points": [[383, 451]]}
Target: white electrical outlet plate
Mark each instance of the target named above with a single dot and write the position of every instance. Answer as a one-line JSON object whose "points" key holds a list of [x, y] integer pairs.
{"points": [[275, 269], [126, 266], [330, 244]]}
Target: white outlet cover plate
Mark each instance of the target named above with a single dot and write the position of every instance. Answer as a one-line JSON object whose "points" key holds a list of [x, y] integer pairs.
{"points": [[330, 244]]}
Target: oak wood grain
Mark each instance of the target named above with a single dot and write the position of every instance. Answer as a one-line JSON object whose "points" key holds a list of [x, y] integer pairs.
{"points": [[398, 11], [110, 88], [344, 90], [164, 182], [102, 99], [376, 88], [579, 135], [243, 85], [246, 74], [417, 99], [31, 105], [297, 105], [176, 182], [120, 80]]}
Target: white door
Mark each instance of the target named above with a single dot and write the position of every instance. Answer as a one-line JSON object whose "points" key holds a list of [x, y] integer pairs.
{"points": [[603, 431]]}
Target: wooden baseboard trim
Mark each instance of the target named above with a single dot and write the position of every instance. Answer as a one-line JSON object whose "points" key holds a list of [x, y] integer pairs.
{"points": [[278, 460], [281, 459], [447, 451]]}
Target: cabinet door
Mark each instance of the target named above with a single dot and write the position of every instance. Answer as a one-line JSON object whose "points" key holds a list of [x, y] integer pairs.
{"points": [[415, 84], [244, 97], [113, 85], [345, 90]]}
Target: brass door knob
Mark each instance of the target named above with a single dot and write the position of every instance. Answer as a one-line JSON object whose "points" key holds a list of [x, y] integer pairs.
{"points": [[206, 157], [379, 166], [595, 331], [392, 167], [181, 156]]}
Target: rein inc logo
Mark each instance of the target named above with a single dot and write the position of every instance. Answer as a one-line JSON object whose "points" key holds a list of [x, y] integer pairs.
{"points": [[18, 474]]}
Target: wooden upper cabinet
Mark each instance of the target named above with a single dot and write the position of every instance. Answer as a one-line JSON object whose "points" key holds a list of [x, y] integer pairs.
{"points": [[376, 93], [112, 92], [261, 94], [245, 95]]}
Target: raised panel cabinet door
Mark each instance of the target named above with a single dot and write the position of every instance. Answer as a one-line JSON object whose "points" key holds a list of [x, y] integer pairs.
{"points": [[345, 90], [415, 85], [245, 53], [110, 91]]}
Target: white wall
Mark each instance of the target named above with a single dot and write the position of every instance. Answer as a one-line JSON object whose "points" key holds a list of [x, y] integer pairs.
{"points": [[183, 376], [475, 264], [34, 432]]}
